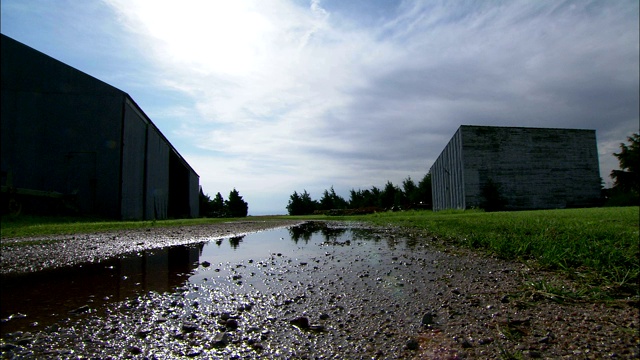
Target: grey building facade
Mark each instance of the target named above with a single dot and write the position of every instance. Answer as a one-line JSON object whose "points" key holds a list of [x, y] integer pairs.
{"points": [[65, 131], [533, 168]]}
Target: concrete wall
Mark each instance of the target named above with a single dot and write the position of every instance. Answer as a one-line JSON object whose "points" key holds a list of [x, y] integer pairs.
{"points": [[535, 168]]}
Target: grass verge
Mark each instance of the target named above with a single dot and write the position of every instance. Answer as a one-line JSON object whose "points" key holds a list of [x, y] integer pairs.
{"points": [[598, 246], [28, 226]]}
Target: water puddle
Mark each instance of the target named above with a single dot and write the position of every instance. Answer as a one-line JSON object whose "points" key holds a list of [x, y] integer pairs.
{"points": [[245, 263]]}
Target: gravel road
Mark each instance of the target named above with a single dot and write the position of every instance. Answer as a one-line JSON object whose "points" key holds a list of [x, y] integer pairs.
{"points": [[409, 296]]}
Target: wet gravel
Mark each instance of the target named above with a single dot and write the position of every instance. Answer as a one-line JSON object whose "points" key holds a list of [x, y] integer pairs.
{"points": [[90, 248], [379, 293]]}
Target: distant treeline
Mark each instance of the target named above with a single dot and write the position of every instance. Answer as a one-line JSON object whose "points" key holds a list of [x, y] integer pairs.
{"points": [[410, 196], [218, 207]]}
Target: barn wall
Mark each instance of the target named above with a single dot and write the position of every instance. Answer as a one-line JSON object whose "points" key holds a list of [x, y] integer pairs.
{"points": [[447, 186], [60, 129], [157, 187], [536, 168], [134, 144], [194, 193], [65, 131]]}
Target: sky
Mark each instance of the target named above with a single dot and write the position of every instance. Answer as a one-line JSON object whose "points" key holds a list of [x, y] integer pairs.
{"points": [[272, 97]]}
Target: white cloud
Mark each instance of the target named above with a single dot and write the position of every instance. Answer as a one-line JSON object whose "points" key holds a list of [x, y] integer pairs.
{"points": [[287, 96]]}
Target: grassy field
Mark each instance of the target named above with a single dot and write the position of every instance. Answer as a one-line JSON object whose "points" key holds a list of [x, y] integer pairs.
{"points": [[599, 246]]}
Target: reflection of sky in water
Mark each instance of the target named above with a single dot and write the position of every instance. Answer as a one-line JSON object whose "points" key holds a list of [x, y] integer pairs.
{"points": [[257, 261], [279, 260]]}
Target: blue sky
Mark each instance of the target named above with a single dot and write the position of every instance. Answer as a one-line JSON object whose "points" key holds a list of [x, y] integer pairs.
{"points": [[269, 97]]}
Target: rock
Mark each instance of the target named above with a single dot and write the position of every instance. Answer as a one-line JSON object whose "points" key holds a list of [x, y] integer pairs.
{"points": [[189, 327], [206, 264], [412, 344], [231, 324], [221, 339], [316, 328], [427, 319], [324, 316], [135, 350], [300, 322], [465, 343]]}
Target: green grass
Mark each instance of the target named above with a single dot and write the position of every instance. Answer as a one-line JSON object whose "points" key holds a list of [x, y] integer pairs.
{"points": [[597, 246], [25, 226]]}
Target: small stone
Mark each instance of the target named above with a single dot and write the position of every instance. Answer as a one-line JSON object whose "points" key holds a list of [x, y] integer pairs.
{"points": [[413, 344], [206, 264], [301, 322], [189, 327], [231, 324], [324, 316], [135, 350], [221, 339], [427, 319], [317, 328]]}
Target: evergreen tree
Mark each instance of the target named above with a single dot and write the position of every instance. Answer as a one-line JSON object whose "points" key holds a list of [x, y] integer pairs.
{"points": [[236, 206], [424, 196], [628, 178], [301, 204], [217, 206]]}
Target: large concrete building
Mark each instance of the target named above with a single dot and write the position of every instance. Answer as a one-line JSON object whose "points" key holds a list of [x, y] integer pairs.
{"points": [[532, 168], [64, 131]]}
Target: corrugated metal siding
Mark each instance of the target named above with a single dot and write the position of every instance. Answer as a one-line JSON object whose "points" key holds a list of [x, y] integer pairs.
{"points": [[133, 163], [194, 192], [447, 176], [63, 130], [60, 128], [157, 189]]}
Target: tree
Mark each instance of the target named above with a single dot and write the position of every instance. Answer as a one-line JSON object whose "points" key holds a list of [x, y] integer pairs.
{"points": [[330, 200], [388, 196], [217, 206], [424, 191], [301, 204], [628, 178], [236, 206], [204, 201]]}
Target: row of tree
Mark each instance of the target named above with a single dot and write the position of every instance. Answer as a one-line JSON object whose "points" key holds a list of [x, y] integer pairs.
{"points": [[218, 207], [410, 195], [626, 181]]}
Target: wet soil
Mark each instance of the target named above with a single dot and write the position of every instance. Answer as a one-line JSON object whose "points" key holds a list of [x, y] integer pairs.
{"points": [[318, 290]]}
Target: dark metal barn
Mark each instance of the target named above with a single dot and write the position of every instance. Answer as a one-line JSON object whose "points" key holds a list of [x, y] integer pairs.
{"points": [[65, 132], [531, 168]]}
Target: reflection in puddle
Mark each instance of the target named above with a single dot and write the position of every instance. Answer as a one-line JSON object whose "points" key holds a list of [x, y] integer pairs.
{"points": [[47, 296], [33, 301]]}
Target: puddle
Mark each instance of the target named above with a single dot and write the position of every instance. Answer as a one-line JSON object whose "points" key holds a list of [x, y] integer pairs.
{"points": [[314, 290], [33, 301]]}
